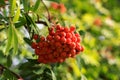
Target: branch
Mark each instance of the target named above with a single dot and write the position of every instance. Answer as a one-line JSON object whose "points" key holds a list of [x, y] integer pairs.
{"points": [[16, 75]]}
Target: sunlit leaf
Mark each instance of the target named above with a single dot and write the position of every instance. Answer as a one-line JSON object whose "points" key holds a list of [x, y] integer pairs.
{"points": [[15, 41], [9, 41], [26, 5], [12, 6], [53, 75], [17, 15], [36, 5]]}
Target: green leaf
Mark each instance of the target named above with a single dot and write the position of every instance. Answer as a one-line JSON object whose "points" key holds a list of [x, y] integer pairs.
{"points": [[27, 40], [9, 61], [36, 5], [9, 41], [53, 75], [2, 29], [82, 32], [26, 5], [15, 40], [12, 6], [8, 75], [30, 21], [17, 15], [20, 23], [2, 3]]}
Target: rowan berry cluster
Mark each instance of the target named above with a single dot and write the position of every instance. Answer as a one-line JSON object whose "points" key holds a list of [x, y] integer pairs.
{"points": [[60, 43]]}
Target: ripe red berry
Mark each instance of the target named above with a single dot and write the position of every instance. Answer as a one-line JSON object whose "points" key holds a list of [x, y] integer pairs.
{"points": [[51, 29], [35, 36], [57, 37], [66, 29], [49, 37], [78, 39], [62, 34], [69, 41], [72, 28], [58, 27], [77, 35], [37, 51], [72, 45], [63, 54], [42, 38], [63, 40], [34, 45], [68, 35]]}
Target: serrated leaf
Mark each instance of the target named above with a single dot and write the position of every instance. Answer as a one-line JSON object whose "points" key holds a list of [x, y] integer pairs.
{"points": [[53, 75], [36, 5], [9, 41], [15, 41], [17, 15]]}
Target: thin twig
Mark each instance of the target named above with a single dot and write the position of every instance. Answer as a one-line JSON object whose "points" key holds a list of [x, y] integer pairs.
{"points": [[16, 75]]}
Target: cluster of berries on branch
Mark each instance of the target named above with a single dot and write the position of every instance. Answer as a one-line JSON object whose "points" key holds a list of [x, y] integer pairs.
{"points": [[59, 44]]}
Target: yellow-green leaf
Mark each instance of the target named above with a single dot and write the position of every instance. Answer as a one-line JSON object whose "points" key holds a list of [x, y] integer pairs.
{"points": [[9, 41], [53, 75], [36, 5], [12, 6], [17, 15], [15, 41]]}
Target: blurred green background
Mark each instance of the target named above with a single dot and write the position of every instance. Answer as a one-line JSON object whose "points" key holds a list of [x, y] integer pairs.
{"points": [[98, 22]]}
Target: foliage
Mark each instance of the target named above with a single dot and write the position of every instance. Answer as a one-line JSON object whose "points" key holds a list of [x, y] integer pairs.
{"points": [[97, 21]]}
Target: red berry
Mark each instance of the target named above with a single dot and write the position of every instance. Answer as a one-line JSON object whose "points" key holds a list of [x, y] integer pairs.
{"points": [[58, 44], [77, 35], [63, 54], [57, 37], [62, 34], [63, 40], [34, 45], [74, 39], [49, 37], [42, 38], [35, 36], [69, 41], [51, 29], [66, 49], [78, 39], [66, 29], [55, 54], [73, 51], [72, 45], [68, 35], [72, 28], [37, 51], [58, 27]]}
